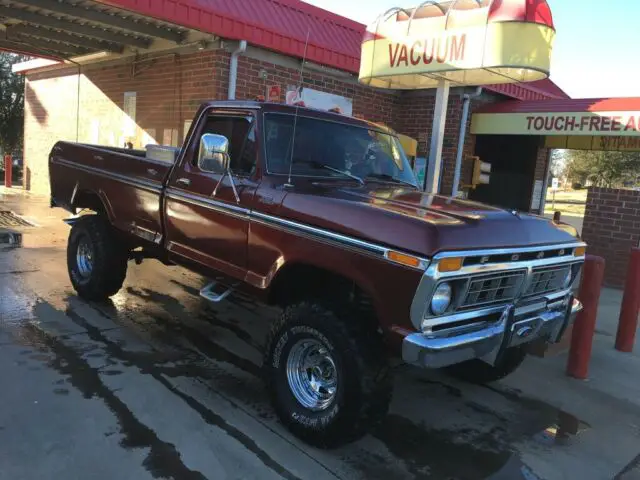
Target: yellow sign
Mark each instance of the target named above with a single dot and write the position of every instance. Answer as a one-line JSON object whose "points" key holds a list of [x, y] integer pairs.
{"points": [[417, 48], [610, 144], [603, 124], [409, 145]]}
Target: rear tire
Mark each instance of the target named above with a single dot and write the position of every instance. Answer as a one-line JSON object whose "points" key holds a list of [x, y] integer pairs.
{"points": [[96, 259], [479, 372], [329, 380]]}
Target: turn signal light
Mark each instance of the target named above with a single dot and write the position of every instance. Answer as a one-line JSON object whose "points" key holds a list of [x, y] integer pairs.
{"points": [[404, 259], [580, 251], [450, 264]]}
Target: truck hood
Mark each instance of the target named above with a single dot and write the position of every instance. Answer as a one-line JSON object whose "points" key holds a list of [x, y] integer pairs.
{"points": [[410, 220]]}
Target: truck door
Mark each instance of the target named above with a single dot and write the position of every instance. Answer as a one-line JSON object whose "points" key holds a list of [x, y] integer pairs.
{"points": [[205, 222]]}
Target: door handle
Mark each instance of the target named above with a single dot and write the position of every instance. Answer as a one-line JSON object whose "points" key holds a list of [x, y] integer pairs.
{"points": [[184, 181], [152, 171]]}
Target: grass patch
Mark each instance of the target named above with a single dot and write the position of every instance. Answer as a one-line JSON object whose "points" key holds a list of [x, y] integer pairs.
{"points": [[571, 202]]}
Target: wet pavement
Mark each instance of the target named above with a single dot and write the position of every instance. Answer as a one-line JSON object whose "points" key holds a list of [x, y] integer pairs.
{"points": [[158, 383]]}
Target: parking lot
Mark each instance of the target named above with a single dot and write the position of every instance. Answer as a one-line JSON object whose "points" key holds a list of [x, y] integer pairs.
{"points": [[160, 384]]}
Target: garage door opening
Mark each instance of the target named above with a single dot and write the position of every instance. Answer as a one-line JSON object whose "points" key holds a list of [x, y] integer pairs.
{"points": [[513, 163]]}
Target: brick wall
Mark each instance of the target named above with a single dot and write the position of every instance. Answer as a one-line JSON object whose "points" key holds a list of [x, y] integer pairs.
{"points": [[165, 95], [374, 105], [541, 163], [414, 117], [611, 228], [169, 90], [540, 171], [50, 115]]}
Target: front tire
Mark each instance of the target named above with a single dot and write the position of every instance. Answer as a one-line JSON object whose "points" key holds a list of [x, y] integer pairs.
{"points": [[96, 259], [479, 372], [329, 381]]}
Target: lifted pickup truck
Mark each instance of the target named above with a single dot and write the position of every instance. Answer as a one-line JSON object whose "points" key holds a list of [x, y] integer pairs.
{"points": [[320, 213]]}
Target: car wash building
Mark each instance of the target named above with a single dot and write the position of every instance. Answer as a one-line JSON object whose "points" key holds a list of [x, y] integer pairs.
{"points": [[130, 71], [469, 87]]}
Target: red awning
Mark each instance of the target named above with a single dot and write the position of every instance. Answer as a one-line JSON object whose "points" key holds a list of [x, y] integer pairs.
{"points": [[282, 26], [565, 105], [62, 30]]}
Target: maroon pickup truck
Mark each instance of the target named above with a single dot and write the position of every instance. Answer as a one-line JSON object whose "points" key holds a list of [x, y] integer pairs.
{"points": [[321, 214]]}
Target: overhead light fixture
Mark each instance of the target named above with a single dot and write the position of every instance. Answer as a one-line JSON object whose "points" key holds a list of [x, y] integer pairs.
{"points": [[202, 44]]}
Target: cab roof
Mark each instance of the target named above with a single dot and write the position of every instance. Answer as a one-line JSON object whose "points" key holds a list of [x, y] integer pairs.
{"points": [[271, 107]]}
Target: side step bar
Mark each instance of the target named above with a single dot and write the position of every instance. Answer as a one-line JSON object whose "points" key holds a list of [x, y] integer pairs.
{"points": [[208, 294]]}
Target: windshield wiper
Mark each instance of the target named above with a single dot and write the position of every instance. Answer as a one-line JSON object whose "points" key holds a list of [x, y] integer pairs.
{"points": [[327, 167], [388, 178]]}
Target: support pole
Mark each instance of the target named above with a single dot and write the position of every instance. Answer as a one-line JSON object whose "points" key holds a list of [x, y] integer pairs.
{"points": [[8, 166], [628, 323], [466, 101], [585, 325], [434, 168]]}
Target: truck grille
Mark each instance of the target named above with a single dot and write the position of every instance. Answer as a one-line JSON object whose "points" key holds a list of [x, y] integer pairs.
{"points": [[496, 288], [546, 280]]}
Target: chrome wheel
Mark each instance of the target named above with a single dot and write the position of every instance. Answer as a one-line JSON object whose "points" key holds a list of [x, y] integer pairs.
{"points": [[84, 258], [312, 374]]}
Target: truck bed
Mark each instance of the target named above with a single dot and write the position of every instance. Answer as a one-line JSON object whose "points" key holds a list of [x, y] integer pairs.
{"points": [[128, 185]]}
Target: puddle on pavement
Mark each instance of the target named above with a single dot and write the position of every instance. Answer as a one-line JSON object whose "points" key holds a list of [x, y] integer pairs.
{"points": [[441, 454], [162, 460], [548, 425], [480, 450], [560, 433]]}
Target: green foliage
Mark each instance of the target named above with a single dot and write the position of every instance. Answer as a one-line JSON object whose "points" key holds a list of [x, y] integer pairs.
{"points": [[11, 104], [604, 169]]}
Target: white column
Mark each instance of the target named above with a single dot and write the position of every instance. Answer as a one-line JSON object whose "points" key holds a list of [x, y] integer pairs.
{"points": [[432, 177]]}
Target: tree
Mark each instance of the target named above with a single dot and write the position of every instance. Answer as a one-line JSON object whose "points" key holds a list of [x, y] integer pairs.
{"points": [[11, 104], [558, 163], [604, 169]]}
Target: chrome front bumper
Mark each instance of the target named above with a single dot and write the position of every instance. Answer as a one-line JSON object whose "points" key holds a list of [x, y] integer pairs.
{"points": [[516, 326]]}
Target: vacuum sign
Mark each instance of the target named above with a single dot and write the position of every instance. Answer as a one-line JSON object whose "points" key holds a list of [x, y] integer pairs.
{"points": [[570, 123], [447, 50], [467, 45]]}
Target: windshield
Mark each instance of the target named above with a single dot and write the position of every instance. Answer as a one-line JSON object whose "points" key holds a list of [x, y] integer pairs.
{"points": [[365, 153]]}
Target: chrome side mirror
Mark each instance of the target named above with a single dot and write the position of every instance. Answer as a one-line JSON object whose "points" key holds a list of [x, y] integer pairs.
{"points": [[213, 155]]}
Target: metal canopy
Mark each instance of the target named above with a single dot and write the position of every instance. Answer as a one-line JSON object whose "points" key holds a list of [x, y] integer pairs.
{"points": [[65, 29]]}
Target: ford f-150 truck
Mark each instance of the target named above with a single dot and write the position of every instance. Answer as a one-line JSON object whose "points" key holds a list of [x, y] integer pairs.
{"points": [[321, 214]]}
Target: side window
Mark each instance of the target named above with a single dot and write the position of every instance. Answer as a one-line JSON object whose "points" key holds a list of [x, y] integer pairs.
{"points": [[247, 164], [240, 133]]}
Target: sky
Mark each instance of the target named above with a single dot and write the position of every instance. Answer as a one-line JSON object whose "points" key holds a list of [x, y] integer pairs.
{"points": [[593, 52]]}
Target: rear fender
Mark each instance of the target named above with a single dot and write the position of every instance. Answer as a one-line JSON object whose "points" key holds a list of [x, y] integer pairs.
{"points": [[92, 200]]}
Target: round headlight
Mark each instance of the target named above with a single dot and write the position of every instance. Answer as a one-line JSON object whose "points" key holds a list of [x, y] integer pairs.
{"points": [[441, 299]]}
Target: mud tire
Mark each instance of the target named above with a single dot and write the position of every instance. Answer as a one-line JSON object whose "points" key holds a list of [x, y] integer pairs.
{"points": [[108, 258], [364, 379], [479, 372]]}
